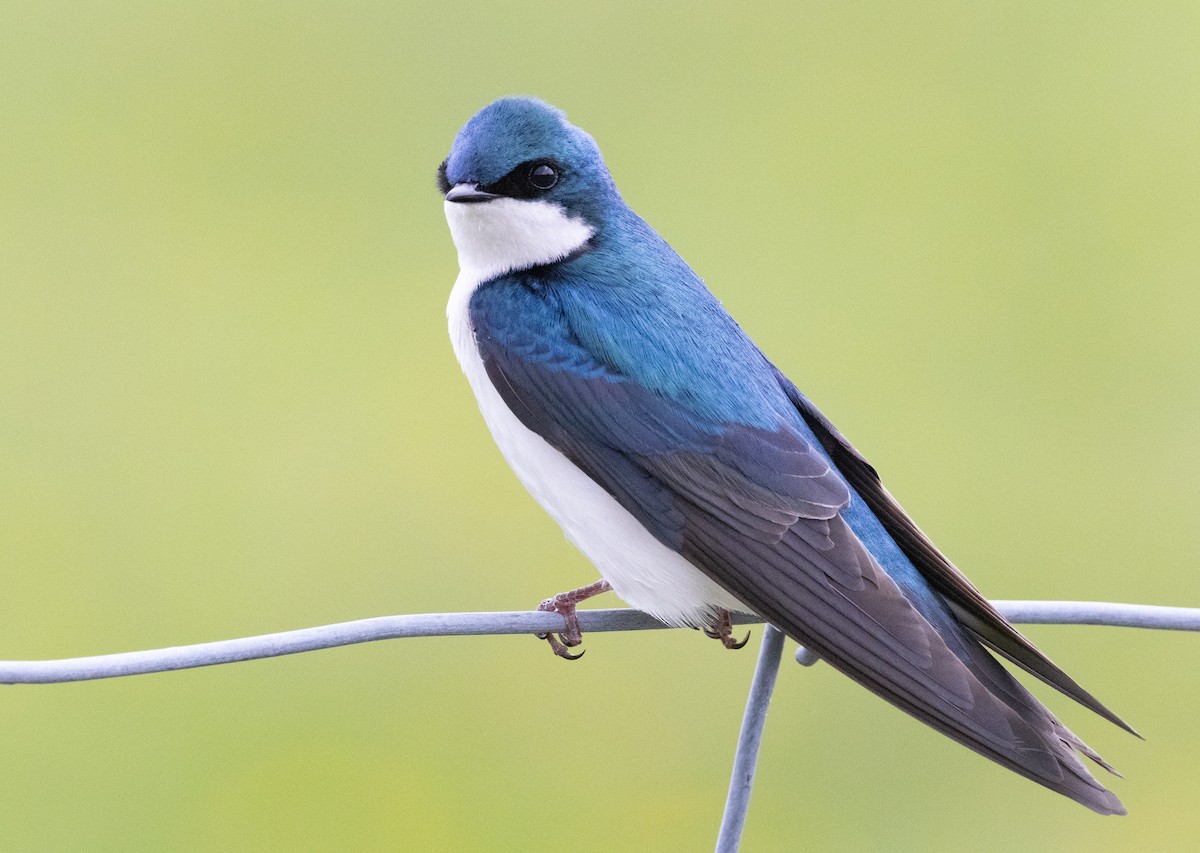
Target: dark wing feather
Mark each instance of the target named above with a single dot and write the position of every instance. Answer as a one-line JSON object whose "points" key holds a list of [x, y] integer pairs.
{"points": [[974, 611], [760, 511]]}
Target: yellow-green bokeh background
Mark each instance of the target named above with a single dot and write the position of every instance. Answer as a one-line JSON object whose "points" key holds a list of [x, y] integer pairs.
{"points": [[971, 231]]}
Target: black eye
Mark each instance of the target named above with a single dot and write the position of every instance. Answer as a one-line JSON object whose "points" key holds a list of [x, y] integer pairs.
{"points": [[528, 180], [543, 177]]}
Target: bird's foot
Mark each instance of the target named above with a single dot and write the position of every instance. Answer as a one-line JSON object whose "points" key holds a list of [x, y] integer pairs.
{"points": [[722, 630], [564, 604]]}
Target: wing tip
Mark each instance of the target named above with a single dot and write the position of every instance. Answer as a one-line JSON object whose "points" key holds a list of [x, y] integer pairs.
{"points": [[1105, 802]]}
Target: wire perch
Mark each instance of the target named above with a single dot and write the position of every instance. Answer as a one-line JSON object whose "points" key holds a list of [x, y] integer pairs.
{"points": [[531, 622]]}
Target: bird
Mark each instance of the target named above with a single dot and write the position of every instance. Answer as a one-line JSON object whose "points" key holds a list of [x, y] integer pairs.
{"points": [[691, 471]]}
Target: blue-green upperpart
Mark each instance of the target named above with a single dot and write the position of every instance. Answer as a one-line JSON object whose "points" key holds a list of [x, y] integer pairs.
{"points": [[515, 130]]}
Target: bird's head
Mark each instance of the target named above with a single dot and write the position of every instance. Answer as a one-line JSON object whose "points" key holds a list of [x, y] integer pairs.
{"points": [[523, 188]]}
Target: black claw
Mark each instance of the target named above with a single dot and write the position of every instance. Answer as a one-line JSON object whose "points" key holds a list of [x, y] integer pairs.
{"points": [[564, 605], [711, 634], [742, 644], [559, 647]]}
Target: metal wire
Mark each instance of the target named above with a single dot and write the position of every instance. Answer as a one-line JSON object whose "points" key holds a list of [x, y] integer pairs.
{"points": [[512, 622], [745, 760], [321, 637], [527, 622]]}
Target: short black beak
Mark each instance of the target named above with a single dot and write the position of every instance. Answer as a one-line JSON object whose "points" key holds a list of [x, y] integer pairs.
{"points": [[468, 194]]}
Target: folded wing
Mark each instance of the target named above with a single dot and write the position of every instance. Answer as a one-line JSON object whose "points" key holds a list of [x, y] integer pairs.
{"points": [[763, 513]]}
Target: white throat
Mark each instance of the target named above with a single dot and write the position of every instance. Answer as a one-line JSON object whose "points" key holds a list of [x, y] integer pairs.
{"points": [[506, 234]]}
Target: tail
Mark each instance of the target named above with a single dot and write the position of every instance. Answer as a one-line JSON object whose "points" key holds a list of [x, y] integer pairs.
{"points": [[1032, 742]]}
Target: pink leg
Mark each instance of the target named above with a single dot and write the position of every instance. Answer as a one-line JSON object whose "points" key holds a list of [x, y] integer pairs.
{"points": [[564, 604]]}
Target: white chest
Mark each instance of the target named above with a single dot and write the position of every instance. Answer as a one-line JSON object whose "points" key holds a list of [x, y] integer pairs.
{"points": [[642, 571]]}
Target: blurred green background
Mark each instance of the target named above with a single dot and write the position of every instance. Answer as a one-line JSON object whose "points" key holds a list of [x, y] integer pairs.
{"points": [[228, 405]]}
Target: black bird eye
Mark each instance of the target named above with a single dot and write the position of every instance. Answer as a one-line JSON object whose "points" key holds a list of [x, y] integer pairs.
{"points": [[543, 177], [526, 180]]}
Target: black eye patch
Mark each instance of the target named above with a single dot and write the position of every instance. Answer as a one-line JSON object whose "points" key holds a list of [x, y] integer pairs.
{"points": [[532, 179]]}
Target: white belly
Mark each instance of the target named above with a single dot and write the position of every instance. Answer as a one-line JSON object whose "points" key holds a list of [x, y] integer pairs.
{"points": [[643, 572]]}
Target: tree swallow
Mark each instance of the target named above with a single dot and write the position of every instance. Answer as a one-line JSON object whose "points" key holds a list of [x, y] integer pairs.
{"points": [[690, 471]]}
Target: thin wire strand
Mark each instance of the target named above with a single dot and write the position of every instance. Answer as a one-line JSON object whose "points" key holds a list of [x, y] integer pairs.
{"points": [[530, 622], [512, 622], [745, 760]]}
